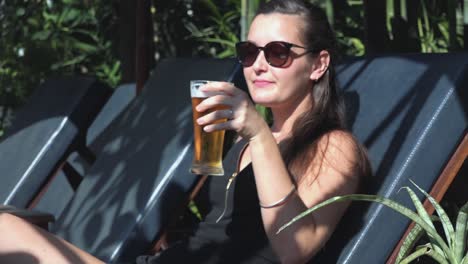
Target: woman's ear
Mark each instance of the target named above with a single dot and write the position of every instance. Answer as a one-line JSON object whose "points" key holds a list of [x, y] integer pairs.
{"points": [[320, 65]]}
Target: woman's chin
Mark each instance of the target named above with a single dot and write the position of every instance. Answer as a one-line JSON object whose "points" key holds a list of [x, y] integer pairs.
{"points": [[263, 99], [263, 102]]}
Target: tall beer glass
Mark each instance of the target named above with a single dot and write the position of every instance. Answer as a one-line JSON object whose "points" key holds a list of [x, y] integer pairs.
{"points": [[208, 149]]}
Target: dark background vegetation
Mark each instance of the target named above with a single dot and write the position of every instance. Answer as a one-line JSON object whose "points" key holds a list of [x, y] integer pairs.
{"points": [[119, 41]]}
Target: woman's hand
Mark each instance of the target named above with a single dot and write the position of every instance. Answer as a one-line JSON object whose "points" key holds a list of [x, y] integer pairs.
{"points": [[238, 109]]}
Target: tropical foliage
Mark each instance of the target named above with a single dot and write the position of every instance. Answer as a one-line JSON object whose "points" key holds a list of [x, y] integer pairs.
{"points": [[433, 25], [41, 38], [44, 38], [451, 250]]}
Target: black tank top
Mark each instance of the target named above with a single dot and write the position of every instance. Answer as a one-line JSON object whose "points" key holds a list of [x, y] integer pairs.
{"points": [[236, 237]]}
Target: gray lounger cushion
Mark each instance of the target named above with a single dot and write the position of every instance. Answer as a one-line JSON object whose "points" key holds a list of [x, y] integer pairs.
{"points": [[411, 112], [142, 175], [62, 188], [49, 126]]}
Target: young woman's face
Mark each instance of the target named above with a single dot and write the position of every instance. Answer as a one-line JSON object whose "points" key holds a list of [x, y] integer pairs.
{"points": [[279, 86]]}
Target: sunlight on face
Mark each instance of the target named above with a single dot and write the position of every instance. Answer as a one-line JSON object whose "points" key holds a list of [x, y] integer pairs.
{"points": [[272, 86]]}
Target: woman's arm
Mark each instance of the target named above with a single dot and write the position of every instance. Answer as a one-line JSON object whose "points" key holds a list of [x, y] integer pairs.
{"points": [[331, 172]]}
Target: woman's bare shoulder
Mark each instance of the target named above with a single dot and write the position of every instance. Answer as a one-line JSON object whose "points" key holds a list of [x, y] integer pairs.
{"points": [[334, 169], [338, 150], [338, 160]]}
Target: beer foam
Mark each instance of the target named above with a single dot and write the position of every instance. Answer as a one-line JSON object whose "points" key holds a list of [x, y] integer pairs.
{"points": [[197, 93]]}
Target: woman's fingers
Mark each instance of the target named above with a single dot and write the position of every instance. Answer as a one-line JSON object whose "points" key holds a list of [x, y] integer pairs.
{"points": [[214, 101], [224, 94], [218, 120], [218, 115], [218, 126], [223, 87], [237, 111]]}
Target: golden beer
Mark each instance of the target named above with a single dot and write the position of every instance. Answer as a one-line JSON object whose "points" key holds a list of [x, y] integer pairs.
{"points": [[208, 147]]}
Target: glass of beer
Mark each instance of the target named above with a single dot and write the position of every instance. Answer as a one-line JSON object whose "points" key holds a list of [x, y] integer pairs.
{"points": [[208, 149]]}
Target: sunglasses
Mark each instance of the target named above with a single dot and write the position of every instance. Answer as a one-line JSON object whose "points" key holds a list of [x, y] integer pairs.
{"points": [[277, 53]]}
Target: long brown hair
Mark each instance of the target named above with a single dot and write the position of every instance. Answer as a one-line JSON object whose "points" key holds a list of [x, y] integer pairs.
{"points": [[327, 113]]}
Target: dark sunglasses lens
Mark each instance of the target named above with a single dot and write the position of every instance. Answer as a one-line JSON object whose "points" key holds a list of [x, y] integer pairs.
{"points": [[276, 53], [246, 53]]}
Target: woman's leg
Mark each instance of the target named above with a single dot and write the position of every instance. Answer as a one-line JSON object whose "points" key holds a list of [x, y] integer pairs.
{"points": [[21, 242]]}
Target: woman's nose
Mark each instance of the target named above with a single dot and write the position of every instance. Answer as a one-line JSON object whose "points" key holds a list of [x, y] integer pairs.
{"points": [[260, 63]]}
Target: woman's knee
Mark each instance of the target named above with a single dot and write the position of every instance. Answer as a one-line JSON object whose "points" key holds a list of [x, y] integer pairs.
{"points": [[5, 218], [8, 222]]}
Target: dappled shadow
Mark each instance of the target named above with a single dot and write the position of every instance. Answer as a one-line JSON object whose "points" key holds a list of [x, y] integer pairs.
{"points": [[239, 236], [462, 94], [351, 99], [142, 169], [44, 131], [18, 257], [79, 98]]}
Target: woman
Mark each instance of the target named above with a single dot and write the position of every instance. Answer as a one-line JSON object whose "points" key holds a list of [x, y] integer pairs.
{"points": [[277, 171]]}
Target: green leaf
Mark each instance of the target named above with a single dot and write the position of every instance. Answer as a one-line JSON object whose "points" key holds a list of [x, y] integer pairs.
{"points": [[265, 112], [199, 33], [425, 216], [225, 54], [437, 257], [382, 200], [419, 207], [444, 30], [194, 209], [91, 34], [465, 260], [221, 41], [461, 232], [42, 35], [359, 46], [446, 223], [115, 68], [33, 21], [212, 7], [409, 242], [421, 251], [50, 17], [425, 16], [70, 14], [73, 61], [84, 47], [20, 11]]}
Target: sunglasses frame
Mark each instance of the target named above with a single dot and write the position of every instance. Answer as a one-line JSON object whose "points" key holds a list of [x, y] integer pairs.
{"points": [[267, 54]]}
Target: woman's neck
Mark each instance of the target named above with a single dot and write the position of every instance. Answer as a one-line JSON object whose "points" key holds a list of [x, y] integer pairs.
{"points": [[285, 116]]}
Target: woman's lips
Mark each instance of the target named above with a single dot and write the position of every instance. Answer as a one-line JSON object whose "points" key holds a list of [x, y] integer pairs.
{"points": [[262, 83]]}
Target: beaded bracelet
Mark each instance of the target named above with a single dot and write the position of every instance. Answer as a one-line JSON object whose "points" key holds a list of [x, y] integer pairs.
{"points": [[281, 201]]}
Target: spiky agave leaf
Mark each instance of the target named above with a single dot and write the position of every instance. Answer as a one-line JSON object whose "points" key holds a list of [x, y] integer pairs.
{"points": [[424, 250], [409, 242], [425, 216], [413, 236], [446, 223], [461, 233], [465, 259], [382, 200]]}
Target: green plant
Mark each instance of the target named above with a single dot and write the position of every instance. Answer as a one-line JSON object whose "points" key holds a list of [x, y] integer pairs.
{"points": [[452, 250], [44, 38], [220, 34], [437, 25]]}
